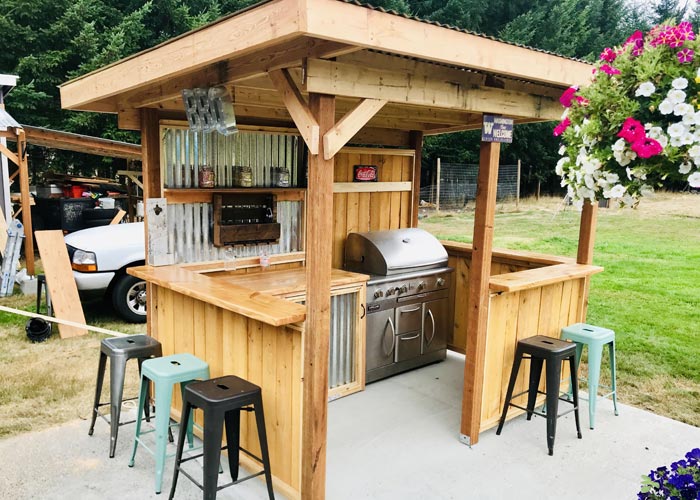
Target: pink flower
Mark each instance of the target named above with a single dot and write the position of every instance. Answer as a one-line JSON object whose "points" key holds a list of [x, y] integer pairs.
{"points": [[646, 147], [685, 56], [608, 54], [634, 37], [559, 129], [606, 68], [582, 101], [567, 96], [632, 130]]}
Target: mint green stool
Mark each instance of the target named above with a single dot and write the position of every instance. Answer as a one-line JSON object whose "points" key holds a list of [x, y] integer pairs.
{"points": [[596, 338], [165, 372]]}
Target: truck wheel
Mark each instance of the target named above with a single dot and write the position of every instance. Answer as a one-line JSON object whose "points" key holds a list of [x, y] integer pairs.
{"points": [[129, 299]]}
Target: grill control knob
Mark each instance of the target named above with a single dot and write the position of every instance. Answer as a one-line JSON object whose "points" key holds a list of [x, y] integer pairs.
{"points": [[378, 294], [420, 286], [440, 281], [403, 289]]}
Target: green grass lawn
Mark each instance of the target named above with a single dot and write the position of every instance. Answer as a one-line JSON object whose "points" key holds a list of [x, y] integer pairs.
{"points": [[649, 293]]}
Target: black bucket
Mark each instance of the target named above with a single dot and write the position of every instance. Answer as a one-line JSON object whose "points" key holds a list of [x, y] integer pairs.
{"points": [[38, 330]]}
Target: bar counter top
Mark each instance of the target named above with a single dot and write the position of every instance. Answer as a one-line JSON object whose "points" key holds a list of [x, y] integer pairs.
{"points": [[254, 295]]}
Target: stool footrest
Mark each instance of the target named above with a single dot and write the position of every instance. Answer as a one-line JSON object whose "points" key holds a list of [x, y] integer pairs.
{"points": [[542, 414], [219, 488]]}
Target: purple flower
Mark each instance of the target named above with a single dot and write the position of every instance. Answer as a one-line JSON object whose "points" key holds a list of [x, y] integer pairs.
{"points": [[685, 56]]}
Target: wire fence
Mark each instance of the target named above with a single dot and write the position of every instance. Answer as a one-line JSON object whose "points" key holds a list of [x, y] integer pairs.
{"points": [[457, 185]]}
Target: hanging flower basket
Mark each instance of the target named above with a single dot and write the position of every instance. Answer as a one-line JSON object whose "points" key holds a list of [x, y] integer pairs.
{"points": [[637, 125]]}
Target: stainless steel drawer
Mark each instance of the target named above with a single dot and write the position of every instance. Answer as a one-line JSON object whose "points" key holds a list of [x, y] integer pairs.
{"points": [[408, 345], [409, 318]]}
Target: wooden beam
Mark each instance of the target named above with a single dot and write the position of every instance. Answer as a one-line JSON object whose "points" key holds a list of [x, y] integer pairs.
{"points": [[299, 111], [349, 125], [26, 202], [282, 55], [381, 137], [371, 187], [241, 34], [479, 273], [9, 154], [586, 243], [586, 238], [417, 144], [319, 250], [129, 119], [367, 28], [58, 139], [329, 77]]}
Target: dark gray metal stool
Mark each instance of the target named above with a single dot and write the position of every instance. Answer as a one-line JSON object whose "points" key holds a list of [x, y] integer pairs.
{"points": [[222, 400], [119, 350], [540, 349]]}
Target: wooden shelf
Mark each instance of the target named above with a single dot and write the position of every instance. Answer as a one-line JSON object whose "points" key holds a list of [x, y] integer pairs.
{"points": [[202, 195]]}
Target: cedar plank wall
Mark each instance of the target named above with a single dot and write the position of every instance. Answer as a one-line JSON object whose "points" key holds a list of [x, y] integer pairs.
{"points": [[360, 212], [265, 355]]}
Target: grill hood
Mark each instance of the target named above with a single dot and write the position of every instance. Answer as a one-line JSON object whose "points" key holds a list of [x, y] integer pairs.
{"points": [[393, 252]]}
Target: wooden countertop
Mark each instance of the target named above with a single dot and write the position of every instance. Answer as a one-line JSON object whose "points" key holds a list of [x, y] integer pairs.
{"points": [[541, 276], [252, 295]]}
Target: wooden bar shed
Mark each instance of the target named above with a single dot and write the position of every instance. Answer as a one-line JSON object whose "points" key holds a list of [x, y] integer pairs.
{"points": [[320, 86]]}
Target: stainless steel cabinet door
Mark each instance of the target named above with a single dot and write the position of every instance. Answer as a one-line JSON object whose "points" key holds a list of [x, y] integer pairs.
{"points": [[435, 325], [381, 339], [408, 318], [408, 346]]}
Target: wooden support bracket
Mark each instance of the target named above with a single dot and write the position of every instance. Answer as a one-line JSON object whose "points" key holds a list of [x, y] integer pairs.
{"points": [[297, 107], [10, 155], [349, 125]]}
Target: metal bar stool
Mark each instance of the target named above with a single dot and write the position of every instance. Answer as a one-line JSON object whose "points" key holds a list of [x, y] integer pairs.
{"points": [[222, 400], [119, 350], [165, 372], [595, 338], [554, 351]]}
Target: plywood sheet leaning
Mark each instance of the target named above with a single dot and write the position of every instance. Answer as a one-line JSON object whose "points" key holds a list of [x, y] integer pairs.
{"points": [[60, 281]]}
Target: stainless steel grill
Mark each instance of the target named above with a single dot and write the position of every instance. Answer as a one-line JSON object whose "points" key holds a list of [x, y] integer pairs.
{"points": [[408, 313]]}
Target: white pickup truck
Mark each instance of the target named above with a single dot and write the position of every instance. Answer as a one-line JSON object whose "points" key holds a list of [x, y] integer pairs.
{"points": [[100, 257]]}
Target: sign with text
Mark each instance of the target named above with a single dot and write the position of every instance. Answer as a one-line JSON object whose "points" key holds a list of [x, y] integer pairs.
{"points": [[497, 129], [365, 173]]}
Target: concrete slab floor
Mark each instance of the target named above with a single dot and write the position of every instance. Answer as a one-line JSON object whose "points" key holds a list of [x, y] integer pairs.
{"points": [[396, 440]]}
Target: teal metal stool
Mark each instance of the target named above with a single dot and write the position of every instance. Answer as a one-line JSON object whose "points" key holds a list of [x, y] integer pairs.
{"points": [[165, 372], [596, 338]]}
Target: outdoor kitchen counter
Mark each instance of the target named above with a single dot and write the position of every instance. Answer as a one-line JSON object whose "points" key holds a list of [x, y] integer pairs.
{"points": [[254, 295], [238, 323]]}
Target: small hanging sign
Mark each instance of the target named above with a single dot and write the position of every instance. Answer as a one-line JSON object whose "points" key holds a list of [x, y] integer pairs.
{"points": [[497, 129], [365, 173]]}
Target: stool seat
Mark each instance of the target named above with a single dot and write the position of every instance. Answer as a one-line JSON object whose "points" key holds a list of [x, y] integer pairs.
{"points": [[133, 346], [596, 338], [119, 350], [175, 368], [541, 349], [547, 347], [583, 332], [222, 399], [165, 372]]}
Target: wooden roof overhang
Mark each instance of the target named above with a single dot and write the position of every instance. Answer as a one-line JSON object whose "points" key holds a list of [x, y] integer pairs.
{"points": [[426, 77]]}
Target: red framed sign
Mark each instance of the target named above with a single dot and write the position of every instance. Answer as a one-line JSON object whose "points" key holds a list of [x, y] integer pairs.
{"points": [[365, 173]]}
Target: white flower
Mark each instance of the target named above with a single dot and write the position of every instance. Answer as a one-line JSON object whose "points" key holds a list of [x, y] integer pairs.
{"points": [[619, 145], [698, 73], [648, 88], [565, 113], [676, 96], [663, 140], [694, 180], [560, 165], [589, 181], [687, 139], [562, 150], [694, 151], [617, 191], [612, 178], [685, 168], [676, 130], [688, 118], [679, 83], [676, 142], [682, 109], [666, 107]]}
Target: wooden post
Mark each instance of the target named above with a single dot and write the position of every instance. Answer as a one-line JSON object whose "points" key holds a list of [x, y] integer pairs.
{"points": [[480, 271], [416, 138], [517, 188], [150, 168], [319, 251], [437, 194], [25, 198], [586, 242]]}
